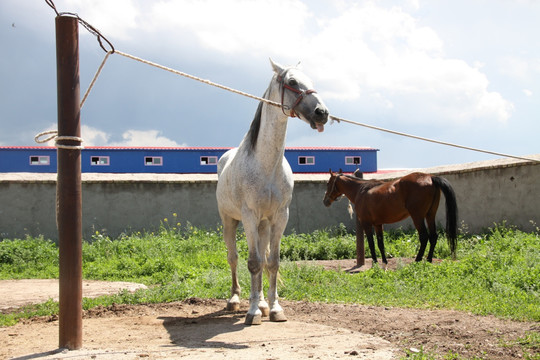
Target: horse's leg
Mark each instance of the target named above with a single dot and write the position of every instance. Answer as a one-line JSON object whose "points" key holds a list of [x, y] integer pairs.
{"points": [[279, 223], [380, 243], [369, 234], [229, 235], [420, 226], [430, 219], [255, 266], [433, 236], [264, 240]]}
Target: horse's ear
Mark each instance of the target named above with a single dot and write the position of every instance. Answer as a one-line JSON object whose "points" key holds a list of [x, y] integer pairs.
{"points": [[330, 171], [340, 171], [278, 69]]}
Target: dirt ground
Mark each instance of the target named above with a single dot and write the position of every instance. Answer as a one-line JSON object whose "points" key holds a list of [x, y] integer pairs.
{"points": [[202, 329]]}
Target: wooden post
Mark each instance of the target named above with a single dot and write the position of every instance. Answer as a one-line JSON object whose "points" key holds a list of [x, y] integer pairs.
{"points": [[68, 188]]}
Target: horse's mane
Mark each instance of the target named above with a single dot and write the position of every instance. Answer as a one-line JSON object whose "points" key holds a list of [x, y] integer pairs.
{"points": [[253, 133], [366, 184]]}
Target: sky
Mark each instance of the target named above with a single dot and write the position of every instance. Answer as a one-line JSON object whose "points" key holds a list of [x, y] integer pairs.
{"points": [[459, 71]]}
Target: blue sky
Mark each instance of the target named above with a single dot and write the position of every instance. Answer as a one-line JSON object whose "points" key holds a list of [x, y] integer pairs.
{"points": [[461, 71]]}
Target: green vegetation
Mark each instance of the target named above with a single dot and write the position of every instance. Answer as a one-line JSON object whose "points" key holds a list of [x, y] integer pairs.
{"points": [[496, 272]]}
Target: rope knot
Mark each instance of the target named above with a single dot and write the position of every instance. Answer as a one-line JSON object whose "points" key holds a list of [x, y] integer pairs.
{"points": [[53, 134]]}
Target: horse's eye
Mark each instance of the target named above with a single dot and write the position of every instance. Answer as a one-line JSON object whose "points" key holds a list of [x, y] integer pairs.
{"points": [[293, 82]]}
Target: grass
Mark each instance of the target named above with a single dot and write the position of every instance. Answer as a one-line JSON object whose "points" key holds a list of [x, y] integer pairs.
{"points": [[496, 273]]}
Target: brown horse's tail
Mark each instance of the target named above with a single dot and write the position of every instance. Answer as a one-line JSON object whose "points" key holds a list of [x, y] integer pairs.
{"points": [[451, 211]]}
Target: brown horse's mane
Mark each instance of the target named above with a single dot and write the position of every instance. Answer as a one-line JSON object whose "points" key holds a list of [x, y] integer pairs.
{"points": [[365, 184]]}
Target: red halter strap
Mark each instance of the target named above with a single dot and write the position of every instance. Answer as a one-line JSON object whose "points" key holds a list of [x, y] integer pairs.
{"points": [[301, 94]]}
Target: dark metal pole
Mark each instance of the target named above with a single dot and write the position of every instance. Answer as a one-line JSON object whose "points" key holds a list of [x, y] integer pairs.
{"points": [[68, 188]]}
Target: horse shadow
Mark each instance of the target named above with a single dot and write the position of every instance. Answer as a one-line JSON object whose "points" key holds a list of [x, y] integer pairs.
{"points": [[198, 331]]}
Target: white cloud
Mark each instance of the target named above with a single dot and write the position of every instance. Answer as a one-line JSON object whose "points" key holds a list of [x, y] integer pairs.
{"points": [[361, 52], [527, 92], [145, 138], [367, 51], [114, 19], [93, 136], [520, 68], [372, 52], [238, 26], [135, 138]]}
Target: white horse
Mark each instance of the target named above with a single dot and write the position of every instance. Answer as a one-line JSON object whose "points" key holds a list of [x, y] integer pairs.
{"points": [[255, 184]]}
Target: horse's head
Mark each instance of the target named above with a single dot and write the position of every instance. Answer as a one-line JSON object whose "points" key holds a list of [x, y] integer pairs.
{"points": [[332, 192], [299, 97]]}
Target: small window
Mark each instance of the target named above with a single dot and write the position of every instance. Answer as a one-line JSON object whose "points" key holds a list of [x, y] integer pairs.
{"points": [[353, 160], [99, 160], [40, 160], [208, 160], [153, 160], [306, 160]]}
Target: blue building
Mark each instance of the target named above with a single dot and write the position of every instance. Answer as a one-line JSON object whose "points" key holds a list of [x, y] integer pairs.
{"points": [[41, 159]]}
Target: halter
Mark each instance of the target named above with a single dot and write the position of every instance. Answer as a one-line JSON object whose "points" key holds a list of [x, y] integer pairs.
{"points": [[333, 188], [300, 97]]}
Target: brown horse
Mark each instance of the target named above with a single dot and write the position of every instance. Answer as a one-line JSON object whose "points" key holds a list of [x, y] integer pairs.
{"points": [[378, 202]]}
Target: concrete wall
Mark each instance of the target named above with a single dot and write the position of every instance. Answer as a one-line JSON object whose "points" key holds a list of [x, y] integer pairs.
{"points": [[487, 192]]}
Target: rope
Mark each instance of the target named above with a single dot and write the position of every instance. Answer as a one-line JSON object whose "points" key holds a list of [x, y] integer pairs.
{"points": [[431, 140], [98, 72], [54, 135], [333, 118], [204, 81]]}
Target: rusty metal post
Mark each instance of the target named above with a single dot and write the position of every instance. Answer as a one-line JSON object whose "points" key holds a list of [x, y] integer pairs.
{"points": [[68, 188], [360, 250]]}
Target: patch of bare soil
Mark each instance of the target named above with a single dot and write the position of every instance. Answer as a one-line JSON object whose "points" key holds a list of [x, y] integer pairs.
{"points": [[17, 293], [202, 329], [350, 265]]}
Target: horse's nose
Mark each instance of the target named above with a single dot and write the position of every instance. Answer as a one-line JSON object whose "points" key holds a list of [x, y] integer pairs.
{"points": [[326, 202], [322, 112]]}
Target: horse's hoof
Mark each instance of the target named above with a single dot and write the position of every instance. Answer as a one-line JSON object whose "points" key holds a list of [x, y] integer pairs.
{"points": [[253, 319], [278, 316], [265, 311], [233, 306]]}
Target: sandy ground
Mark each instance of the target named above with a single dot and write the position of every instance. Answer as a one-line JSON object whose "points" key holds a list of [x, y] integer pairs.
{"points": [[202, 329]]}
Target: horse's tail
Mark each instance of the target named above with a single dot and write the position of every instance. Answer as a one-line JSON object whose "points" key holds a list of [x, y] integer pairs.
{"points": [[451, 211]]}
